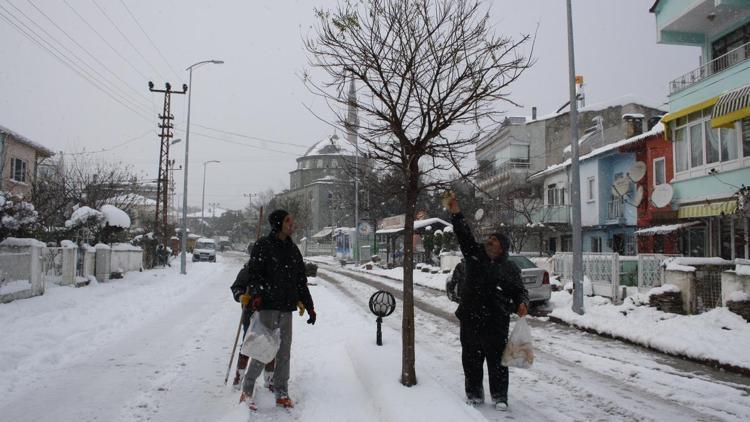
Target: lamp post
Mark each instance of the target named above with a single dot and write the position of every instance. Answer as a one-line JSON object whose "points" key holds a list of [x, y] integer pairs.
{"points": [[203, 199], [183, 242]]}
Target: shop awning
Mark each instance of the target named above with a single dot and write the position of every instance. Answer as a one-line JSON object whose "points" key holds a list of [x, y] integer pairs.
{"points": [[664, 229], [707, 210], [732, 106], [323, 233]]}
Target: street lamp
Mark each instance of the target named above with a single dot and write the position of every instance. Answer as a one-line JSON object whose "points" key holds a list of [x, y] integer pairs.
{"points": [[176, 141], [183, 243], [203, 198]]}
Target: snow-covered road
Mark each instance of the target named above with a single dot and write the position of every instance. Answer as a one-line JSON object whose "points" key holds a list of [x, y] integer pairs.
{"points": [[154, 347]]}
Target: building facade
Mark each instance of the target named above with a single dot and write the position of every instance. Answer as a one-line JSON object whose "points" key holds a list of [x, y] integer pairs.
{"points": [[19, 159], [708, 124]]}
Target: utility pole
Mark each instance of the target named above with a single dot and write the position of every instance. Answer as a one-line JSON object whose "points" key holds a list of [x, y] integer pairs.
{"points": [[575, 188], [162, 182]]}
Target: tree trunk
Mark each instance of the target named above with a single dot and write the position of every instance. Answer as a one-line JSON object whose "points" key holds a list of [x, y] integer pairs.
{"points": [[408, 374]]}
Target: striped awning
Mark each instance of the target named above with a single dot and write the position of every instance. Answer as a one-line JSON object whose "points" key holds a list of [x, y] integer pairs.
{"points": [[707, 210], [732, 106]]}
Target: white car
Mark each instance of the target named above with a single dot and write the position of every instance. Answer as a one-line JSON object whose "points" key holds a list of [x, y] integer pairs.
{"points": [[204, 250]]}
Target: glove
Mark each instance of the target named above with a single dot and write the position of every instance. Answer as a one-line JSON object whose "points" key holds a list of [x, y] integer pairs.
{"points": [[313, 316], [255, 303], [244, 299]]}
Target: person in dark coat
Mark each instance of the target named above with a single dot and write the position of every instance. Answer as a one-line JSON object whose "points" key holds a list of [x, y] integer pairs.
{"points": [[455, 283], [277, 284], [492, 290], [240, 293]]}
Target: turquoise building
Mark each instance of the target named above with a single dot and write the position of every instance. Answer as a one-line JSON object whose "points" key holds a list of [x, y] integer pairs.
{"points": [[709, 123]]}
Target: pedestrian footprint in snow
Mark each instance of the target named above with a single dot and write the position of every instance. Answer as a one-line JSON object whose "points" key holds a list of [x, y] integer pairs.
{"points": [[277, 286], [491, 291]]}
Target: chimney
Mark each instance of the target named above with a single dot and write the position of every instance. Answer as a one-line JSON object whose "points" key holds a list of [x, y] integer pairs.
{"points": [[533, 113]]}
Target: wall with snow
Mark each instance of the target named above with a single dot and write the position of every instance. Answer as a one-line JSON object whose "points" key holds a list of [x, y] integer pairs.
{"points": [[20, 272], [685, 281], [125, 258], [731, 282]]}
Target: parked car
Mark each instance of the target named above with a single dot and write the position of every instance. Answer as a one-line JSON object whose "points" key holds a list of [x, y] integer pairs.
{"points": [[204, 250], [535, 279]]}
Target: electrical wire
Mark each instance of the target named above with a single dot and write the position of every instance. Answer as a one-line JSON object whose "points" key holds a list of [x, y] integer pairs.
{"points": [[122, 144], [128, 39], [62, 60], [153, 44], [52, 21]]}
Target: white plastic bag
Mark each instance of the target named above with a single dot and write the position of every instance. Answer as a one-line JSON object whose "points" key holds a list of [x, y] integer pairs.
{"points": [[261, 343], [519, 352]]}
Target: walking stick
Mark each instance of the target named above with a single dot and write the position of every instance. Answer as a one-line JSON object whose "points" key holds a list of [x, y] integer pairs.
{"points": [[244, 308]]}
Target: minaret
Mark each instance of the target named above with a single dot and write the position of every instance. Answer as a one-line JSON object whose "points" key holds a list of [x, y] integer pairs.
{"points": [[352, 123]]}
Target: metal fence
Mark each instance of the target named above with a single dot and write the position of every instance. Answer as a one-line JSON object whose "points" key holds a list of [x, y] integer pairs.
{"points": [[651, 270], [707, 290], [52, 263], [602, 270], [733, 57]]}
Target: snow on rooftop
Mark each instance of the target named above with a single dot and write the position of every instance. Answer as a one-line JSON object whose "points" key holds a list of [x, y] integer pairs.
{"points": [[657, 129], [331, 145], [24, 140], [687, 264], [613, 102], [664, 229]]}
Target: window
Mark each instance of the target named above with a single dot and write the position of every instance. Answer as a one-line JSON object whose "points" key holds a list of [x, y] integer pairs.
{"points": [[551, 194], [17, 170], [660, 176], [697, 144], [555, 195], [590, 187], [596, 244], [320, 163]]}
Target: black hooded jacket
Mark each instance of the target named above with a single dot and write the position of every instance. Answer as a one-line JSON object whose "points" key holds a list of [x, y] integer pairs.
{"points": [[276, 273], [492, 289]]}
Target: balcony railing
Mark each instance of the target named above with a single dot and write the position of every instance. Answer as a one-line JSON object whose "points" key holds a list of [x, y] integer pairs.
{"points": [[713, 67], [556, 214], [502, 171], [615, 209]]}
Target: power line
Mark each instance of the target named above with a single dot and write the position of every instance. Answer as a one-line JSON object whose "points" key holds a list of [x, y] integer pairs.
{"points": [[153, 44], [128, 40], [129, 97], [141, 95], [255, 138], [61, 58], [148, 132], [104, 40], [205, 135]]}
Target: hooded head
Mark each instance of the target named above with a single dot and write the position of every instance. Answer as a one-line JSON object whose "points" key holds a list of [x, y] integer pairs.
{"points": [[276, 219], [497, 245]]}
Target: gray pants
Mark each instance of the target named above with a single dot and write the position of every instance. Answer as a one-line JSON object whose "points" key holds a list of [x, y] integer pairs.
{"points": [[273, 320]]}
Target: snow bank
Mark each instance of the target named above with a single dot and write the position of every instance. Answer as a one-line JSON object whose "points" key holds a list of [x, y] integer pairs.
{"points": [[115, 217], [718, 335], [739, 296], [15, 242]]}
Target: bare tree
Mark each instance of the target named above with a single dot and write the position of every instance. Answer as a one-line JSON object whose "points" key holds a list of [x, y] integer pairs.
{"points": [[430, 73]]}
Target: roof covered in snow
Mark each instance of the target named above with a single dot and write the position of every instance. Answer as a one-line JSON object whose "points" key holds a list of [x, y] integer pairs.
{"points": [[331, 145], [614, 102], [24, 140], [657, 129], [419, 224], [667, 228]]}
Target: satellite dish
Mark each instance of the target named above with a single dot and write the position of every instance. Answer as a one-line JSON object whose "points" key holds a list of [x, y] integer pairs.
{"points": [[662, 195], [479, 215], [621, 186], [638, 196], [637, 172]]}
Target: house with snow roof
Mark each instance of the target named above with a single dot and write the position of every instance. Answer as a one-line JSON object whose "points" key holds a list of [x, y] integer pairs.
{"points": [[708, 125], [19, 160]]}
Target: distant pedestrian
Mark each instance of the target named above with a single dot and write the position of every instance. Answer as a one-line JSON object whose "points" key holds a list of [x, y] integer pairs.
{"points": [[492, 289], [277, 281]]}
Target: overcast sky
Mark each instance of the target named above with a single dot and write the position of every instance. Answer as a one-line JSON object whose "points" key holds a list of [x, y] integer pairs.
{"points": [[258, 92]]}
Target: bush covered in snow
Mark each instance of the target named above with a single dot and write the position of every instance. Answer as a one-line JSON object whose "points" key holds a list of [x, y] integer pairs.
{"points": [[18, 218]]}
